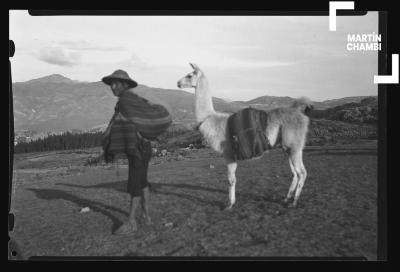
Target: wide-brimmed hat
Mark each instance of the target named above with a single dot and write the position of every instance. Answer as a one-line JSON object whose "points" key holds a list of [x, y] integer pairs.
{"points": [[120, 75]]}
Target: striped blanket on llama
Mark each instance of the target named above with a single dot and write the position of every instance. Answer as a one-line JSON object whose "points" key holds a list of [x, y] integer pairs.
{"points": [[246, 130], [134, 118]]}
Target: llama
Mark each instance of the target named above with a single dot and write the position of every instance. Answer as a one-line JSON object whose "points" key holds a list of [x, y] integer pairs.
{"points": [[285, 126]]}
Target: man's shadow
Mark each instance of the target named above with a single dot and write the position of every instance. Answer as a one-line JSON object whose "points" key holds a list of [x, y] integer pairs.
{"points": [[120, 186], [52, 194], [158, 188], [172, 190]]}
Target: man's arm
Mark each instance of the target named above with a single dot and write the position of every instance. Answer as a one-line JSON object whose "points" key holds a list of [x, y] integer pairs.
{"points": [[110, 124]]}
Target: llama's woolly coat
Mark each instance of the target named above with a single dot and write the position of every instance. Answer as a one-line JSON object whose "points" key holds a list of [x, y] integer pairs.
{"points": [[246, 133]]}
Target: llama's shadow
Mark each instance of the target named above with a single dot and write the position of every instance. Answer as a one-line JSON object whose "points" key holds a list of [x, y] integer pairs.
{"points": [[158, 189], [52, 194], [157, 186], [241, 196], [341, 151], [346, 153]]}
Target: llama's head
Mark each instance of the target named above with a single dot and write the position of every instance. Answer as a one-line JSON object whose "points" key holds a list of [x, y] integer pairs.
{"points": [[190, 80]]}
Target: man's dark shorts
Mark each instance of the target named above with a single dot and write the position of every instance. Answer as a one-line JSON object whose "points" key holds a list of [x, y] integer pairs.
{"points": [[138, 167]]}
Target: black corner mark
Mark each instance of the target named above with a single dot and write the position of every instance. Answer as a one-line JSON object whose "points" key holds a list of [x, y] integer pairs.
{"points": [[11, 221], [14, 251], [11, 48]]}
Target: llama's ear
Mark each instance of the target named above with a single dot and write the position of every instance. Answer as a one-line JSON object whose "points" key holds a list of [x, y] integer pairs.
{"points": [[194, 66]]}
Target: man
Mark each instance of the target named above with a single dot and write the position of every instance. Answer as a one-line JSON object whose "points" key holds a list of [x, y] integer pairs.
{"points": [[134, 119]]}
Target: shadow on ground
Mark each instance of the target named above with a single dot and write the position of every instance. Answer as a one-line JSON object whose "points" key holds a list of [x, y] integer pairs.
{"points": [[172, 189], [341, 152], [52, 194]]}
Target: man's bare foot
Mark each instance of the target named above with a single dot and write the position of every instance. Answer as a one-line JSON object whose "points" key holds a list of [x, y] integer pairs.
{"points": [[146, 219], [126, 228]]}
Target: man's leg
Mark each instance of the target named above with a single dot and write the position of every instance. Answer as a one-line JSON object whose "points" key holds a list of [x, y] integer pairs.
{"points": [[135, 192], [130, 226], [146, 153], [145, 206]]}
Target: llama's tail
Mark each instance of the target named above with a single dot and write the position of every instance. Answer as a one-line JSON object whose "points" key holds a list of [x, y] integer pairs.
{"points": [[303, 104]]}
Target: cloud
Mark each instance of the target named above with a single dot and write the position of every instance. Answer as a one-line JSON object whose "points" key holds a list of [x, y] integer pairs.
{"points": [[246, 56], [88, 46], [134, 62], [59, 56]]}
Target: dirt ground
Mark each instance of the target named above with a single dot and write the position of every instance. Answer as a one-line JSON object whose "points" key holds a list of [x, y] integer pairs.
{"points": [[336, 215]]}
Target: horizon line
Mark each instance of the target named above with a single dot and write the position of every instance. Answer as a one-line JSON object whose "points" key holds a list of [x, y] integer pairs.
{"points": [[223, 98]]}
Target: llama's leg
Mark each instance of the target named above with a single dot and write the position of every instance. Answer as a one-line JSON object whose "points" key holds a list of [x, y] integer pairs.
{"points": [[293, 185], [300, 183], [302, 174], [232, 183]]}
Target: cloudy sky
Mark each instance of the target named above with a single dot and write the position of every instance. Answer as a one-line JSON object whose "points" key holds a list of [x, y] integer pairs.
{"points": [[243, 56]]}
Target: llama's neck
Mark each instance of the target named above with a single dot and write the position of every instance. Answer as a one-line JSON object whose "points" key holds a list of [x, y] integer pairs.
{"points": [[203, 105]]}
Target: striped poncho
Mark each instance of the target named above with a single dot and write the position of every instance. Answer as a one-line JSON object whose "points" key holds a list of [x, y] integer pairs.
{"points": [[246, 129], [134, 118]]}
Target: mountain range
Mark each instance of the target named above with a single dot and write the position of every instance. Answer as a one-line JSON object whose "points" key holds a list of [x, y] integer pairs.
{"points": [[56, 103]]}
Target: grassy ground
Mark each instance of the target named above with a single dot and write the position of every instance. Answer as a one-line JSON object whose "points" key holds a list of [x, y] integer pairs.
{"points": [[336, 215]]}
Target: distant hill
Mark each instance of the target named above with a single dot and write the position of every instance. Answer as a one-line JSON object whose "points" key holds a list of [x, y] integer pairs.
{"points": [[270, 102], [266, 102], [365, 111], [55, 78], [56, 103], [60, 104], [337, 102]]}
